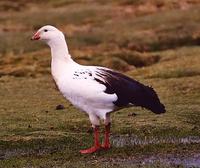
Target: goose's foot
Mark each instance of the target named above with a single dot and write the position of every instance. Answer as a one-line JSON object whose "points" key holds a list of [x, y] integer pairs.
{"points": [[90, 150], [96, 146]]}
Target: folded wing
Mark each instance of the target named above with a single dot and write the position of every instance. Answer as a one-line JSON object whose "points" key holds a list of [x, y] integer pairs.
{"points": [[129, 91]]}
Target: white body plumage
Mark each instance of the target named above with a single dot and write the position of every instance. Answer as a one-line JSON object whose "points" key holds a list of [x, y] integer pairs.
{"points": [[76, 82], [95, 90]]}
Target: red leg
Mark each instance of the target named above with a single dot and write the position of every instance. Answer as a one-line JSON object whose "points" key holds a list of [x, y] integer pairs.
{"points": [[96, 146], [106, 144]]}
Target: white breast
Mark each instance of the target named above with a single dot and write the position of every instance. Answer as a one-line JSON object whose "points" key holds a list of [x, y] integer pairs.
{"points": [[84, 93]]}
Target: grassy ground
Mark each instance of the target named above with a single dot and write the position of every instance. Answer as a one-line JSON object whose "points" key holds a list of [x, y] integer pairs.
{"points": [[154, 42]]}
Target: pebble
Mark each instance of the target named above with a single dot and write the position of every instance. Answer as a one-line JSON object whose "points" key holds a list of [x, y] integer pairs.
{"points": [[132, 114], [60, 107]]}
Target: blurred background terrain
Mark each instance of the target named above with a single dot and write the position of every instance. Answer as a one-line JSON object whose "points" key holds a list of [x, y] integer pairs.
{"points": [[155, 42]]}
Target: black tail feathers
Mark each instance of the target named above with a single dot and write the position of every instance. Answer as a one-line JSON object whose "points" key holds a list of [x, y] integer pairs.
{"points": [[129, 91], [149, 100], [154, 103], [158, 108]]}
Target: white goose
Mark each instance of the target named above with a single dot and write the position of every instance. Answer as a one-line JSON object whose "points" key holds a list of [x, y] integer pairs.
{"points": [[94, 90]]}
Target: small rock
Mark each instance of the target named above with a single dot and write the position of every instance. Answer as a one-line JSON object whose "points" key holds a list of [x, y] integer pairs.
{"points": [[132, 114], [29, 126], [60, 107]]}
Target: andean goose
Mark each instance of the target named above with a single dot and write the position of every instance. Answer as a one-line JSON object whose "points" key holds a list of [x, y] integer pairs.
{"points": [[93, 89]]}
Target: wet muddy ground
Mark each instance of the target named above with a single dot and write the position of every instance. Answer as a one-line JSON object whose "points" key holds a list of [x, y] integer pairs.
{"points": [[131, 140], [166, 160], [190, 159]]}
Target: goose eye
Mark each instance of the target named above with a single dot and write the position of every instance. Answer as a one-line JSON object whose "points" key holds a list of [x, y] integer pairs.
{"points": [[45, 30]]}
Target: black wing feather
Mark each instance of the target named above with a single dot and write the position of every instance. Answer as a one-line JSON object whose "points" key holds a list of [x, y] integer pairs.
{"points": [[129, 91]]}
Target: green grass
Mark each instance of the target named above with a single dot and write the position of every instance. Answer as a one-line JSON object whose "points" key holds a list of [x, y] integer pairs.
{"points": [[36, 134]]}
